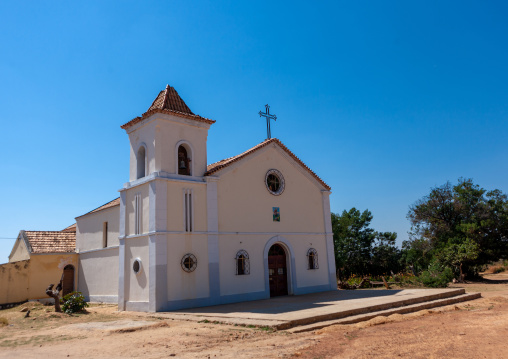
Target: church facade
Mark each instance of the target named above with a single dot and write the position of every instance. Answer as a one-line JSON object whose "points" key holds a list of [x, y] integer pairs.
{"points": [[186, 234]]}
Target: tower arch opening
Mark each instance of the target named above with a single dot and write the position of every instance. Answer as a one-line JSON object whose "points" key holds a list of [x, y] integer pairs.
{"points": [[141, 162], [184, 160]]}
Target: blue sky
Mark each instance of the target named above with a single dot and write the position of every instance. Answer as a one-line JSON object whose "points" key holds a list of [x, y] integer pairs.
{"points": [[384, 100]]}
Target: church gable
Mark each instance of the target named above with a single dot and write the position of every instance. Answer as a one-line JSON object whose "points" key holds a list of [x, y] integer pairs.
{"points": [[220, 165], [250, 201], [19, 250]]}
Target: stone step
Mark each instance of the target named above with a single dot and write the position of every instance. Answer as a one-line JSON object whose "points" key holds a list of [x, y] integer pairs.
{"points": [[409, 308], [397, 302]]}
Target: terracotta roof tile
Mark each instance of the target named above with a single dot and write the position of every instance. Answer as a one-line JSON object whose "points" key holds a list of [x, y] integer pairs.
{"points": [[217, 166], [71, 228], [115, 202], [169, 102], [168, 99], [51, 241]]}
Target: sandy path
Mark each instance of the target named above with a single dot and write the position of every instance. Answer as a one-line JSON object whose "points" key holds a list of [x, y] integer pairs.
{"points": [[477, 329]]}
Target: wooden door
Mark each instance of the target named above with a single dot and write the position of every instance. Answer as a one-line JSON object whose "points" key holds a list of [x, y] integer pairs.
{"points": [[68, 280], [277, 271]]}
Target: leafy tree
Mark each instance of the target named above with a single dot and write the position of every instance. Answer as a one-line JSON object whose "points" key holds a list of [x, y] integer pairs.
{"points": [[464, 225], [416, 254], [458, 254], [385, 254], [360, 249]]}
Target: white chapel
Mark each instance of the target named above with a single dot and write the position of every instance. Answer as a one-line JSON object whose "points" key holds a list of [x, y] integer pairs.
{"points": [[186, 234]]}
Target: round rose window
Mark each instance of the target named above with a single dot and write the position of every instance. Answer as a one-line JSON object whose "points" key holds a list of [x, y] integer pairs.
{"points": [[274, 182]]}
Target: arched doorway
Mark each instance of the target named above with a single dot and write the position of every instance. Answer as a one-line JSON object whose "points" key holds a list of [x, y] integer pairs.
{"points": [[68, 280], [277, 271]]}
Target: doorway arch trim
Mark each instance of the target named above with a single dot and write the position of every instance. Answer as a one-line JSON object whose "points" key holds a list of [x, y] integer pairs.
{"points": [[290, 263]]}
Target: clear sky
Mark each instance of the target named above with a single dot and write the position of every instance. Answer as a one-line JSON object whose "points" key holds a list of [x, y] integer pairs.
{"points": [[383, 100]]}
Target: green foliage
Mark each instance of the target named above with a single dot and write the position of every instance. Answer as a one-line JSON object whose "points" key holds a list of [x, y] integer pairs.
{"points": [[359, 249], [436, 276], [416, 255], [73, 303], [462, 226], [459, 252]]}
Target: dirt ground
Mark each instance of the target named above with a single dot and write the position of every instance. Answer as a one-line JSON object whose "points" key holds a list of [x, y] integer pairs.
{"points": [[476, 329]]}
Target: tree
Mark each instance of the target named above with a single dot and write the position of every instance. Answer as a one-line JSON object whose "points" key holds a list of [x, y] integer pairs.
{"points": [[459, 254], [465, 225], [385, 254], [55, 294], [416, 254], [359, 249]]}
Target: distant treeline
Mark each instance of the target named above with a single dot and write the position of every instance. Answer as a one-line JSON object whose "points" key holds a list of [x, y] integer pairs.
{"points": [[455, 231]]}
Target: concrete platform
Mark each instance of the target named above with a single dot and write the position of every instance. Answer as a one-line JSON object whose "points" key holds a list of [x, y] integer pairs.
{"points": [[316, 310]]}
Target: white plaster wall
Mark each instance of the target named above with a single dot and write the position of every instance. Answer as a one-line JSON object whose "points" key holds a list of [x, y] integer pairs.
{"points": [[136, 285], [230, 244], [130, 204], [89, 229], [19, 251], [173, 130], [161, 133], [230, 283], [304, 276], [143, 135], [98, 273], [183, 285], [175, 200], [245, 205]]}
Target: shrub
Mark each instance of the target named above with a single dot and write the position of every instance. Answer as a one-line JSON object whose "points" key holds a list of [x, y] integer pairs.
{"points": [[74, 302], [3, 321], [436, 277]]}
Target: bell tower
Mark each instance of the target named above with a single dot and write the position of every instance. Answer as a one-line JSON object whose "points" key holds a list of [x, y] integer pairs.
{"points": [[164, 202], [168, 138]]}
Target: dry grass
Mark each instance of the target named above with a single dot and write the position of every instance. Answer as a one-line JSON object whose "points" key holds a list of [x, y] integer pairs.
{"points": [[498, 267], [3, 321]]}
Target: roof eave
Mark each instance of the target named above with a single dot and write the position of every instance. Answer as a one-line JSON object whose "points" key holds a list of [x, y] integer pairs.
{"points": [[147, 114], [260, 146]]}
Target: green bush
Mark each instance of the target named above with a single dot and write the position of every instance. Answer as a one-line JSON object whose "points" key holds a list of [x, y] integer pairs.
{"points": [[436, 277], [74, 302]]}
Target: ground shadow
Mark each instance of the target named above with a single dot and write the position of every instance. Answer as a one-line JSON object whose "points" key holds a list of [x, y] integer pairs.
{"points": [[492, 281], [292, 303]]}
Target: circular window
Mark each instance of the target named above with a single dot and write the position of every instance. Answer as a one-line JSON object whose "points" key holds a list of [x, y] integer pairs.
{"points": [[189, 262], [136, 266], [274, 182]]}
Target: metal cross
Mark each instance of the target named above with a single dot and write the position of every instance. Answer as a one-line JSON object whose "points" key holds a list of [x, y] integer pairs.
{"points": [[268, 118]]}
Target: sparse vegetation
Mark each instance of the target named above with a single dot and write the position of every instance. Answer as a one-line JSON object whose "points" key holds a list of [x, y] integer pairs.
{"points": [[436, 276], [498, 267], [3, 321], [74, 303]]}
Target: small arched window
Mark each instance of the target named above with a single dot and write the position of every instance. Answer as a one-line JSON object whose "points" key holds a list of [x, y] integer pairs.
{"points": [[242, 263], [141, 162], [183, 161], [312, 259]]}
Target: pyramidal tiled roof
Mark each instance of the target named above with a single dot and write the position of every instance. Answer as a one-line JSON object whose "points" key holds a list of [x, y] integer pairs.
{"points": [[168, 99], [169, 102], [217, 166]]}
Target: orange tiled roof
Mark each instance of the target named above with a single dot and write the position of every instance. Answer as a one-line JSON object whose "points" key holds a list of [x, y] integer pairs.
{"points": [[71, 228], [169, 102], [115, 202], [217, 166], [50, 241]]}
